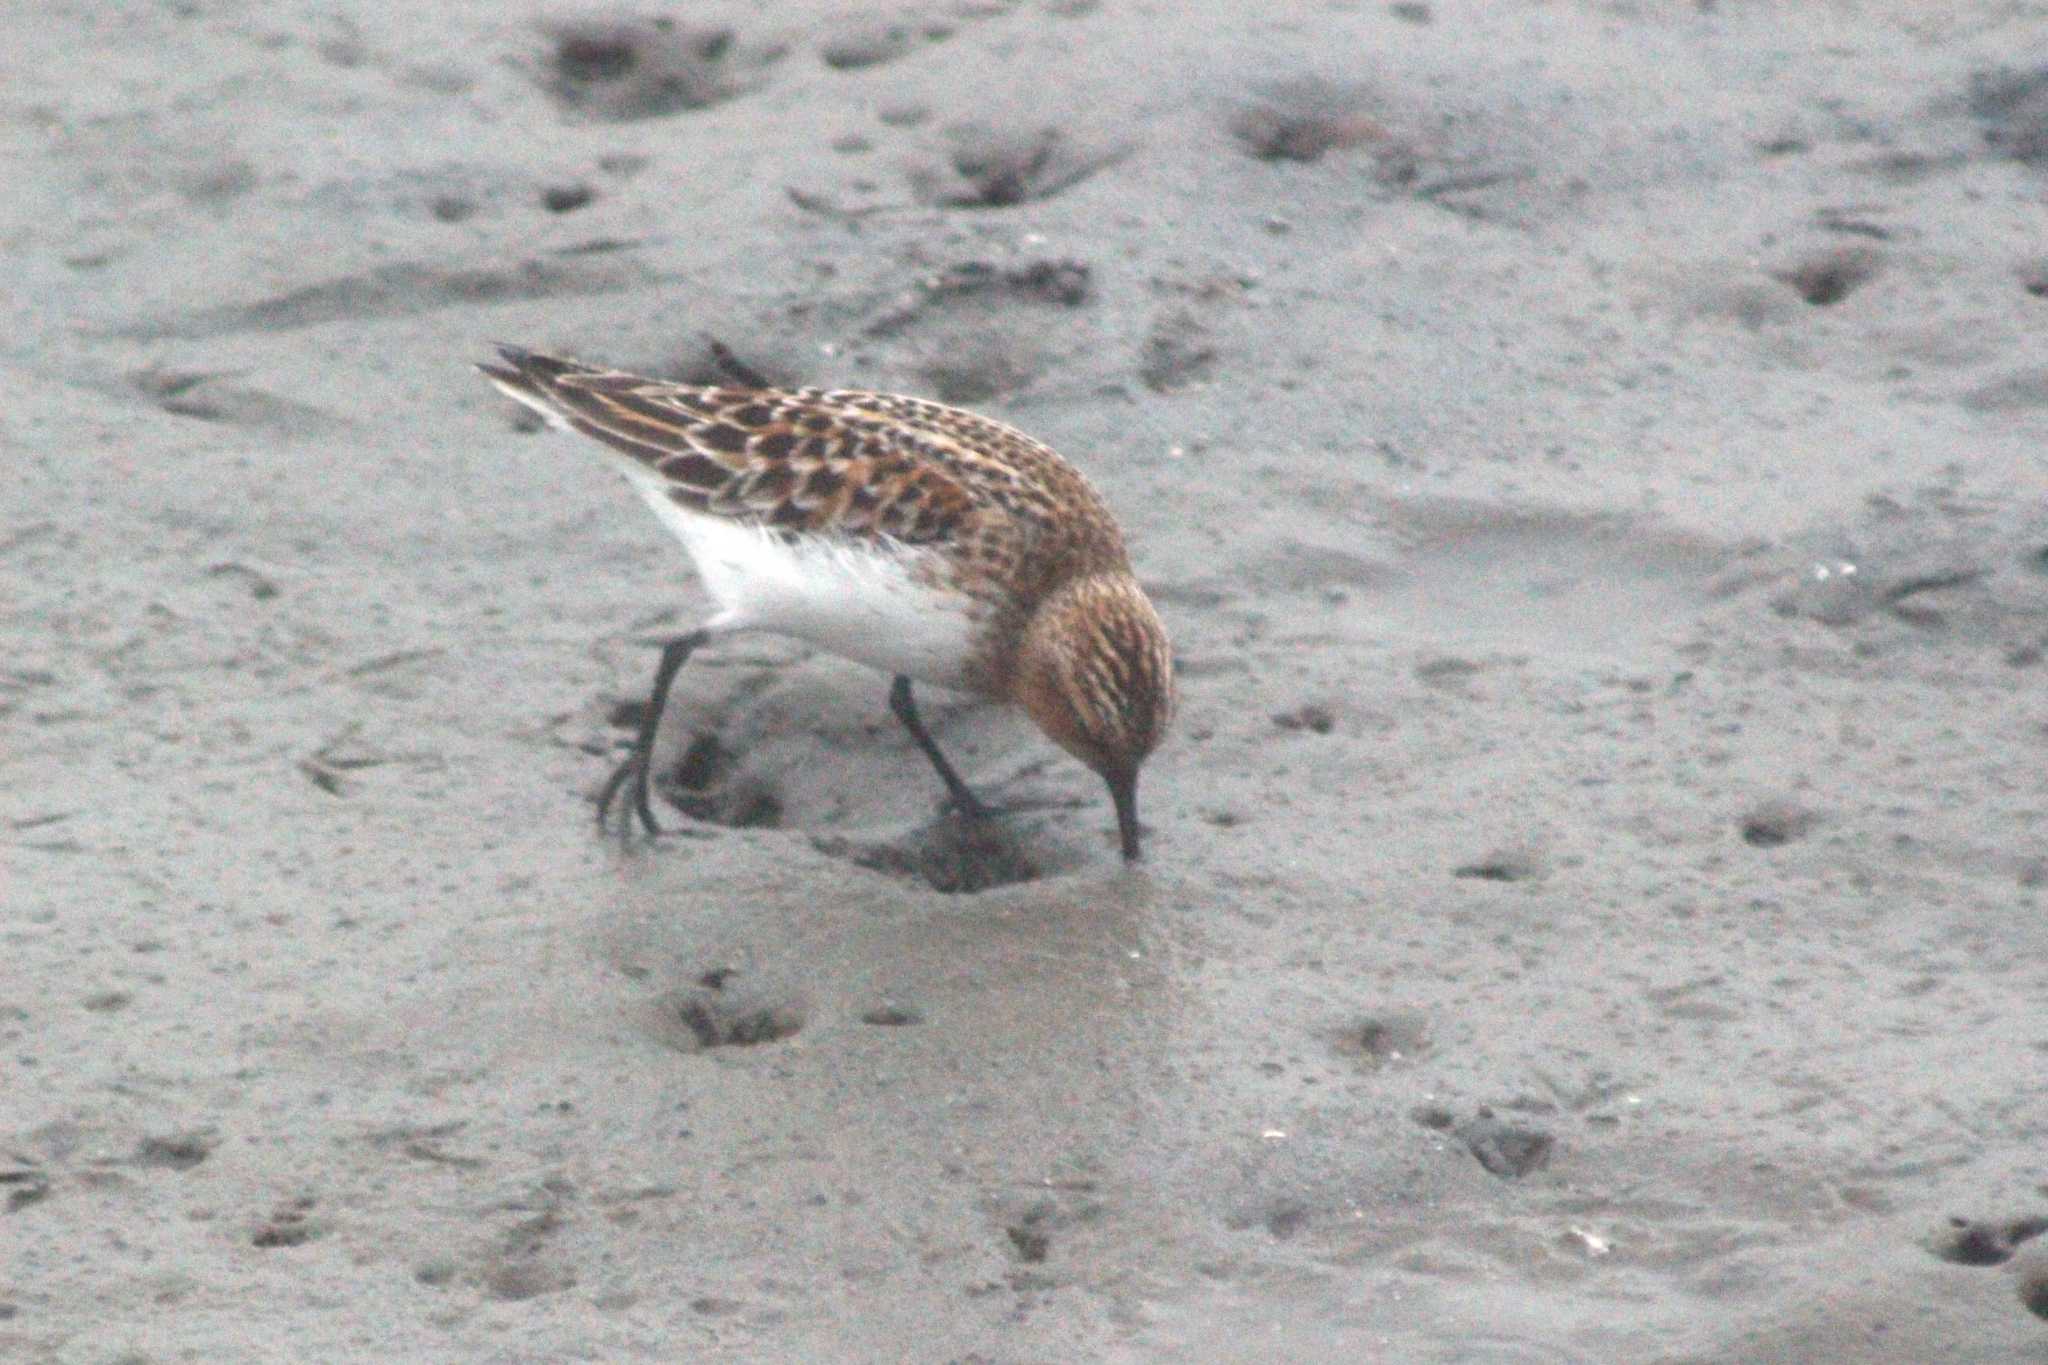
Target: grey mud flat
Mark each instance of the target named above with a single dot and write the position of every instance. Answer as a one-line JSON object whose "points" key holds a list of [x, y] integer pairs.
{"points": [[1589, 456]]}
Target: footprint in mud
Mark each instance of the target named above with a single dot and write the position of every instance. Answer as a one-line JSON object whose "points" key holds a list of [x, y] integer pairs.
{"points": [[977, 331], [1913, 571], [1032, 1231], [992, 168], [857, 44], [983, 369], [621, 69], [290, 1224], [953, 856], [798, 751], [1985, 1241], [1180, 350], [722, 1010], [982, 287], [1508, 1150], [2012, 108], [1306, 119], [214, 397], [525, 1263], [1475, 162]]}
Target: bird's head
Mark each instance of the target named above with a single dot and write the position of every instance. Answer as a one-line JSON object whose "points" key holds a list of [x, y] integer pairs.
{"points": [[1095, 672]]}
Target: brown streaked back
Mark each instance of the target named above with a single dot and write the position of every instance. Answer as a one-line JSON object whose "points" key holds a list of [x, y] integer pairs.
{"points": [[842, 462]]}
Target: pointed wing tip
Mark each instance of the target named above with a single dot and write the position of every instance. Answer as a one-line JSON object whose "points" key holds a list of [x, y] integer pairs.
{"points": [[518, 369], [535, 366]]}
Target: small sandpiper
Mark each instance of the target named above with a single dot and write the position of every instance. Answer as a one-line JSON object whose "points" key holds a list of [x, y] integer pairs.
{"points": [[931, 543]]}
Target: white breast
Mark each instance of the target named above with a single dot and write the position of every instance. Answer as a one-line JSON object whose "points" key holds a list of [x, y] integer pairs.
{"points": [[861, 601]]}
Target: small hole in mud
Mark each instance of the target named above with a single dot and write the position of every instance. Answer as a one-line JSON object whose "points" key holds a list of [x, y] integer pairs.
{"points": [[566, 198], [1775, 826], [891, 1016], [1507, 864], [1314, 717], [1433, 1117], [281, 1235], [450, 208], [954, 856], [1002, 175], [179, 1152], [1384, 1039], [2034, 1288], [1286, 1219], [1829, 279], [1032, 1244], [1783, 146], [701, 763]]}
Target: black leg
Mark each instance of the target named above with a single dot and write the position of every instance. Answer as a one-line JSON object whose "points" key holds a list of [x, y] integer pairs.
{"points": [[901, 702], [632, 775]]}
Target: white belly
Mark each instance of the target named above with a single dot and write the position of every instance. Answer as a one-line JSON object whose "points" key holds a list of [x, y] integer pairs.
{"points": [[859, 602]]}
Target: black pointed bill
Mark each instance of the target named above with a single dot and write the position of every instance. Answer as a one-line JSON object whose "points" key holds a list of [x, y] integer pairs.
{"points": [[1123, 790]]}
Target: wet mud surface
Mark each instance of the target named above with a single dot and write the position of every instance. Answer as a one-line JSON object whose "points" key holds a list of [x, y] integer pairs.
{"points": [[1590, 457]]}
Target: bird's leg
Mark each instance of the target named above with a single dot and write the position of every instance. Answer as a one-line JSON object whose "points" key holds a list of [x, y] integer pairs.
{"points": [[905, 707], [631, 776]]}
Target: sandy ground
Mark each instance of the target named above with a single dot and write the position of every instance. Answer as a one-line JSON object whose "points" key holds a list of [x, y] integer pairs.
{"points": [[1590, 456]]}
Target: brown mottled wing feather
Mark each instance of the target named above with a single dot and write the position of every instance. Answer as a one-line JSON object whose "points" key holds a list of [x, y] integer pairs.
{"points": [[851, 462], [790, 459], [1001, 465]]}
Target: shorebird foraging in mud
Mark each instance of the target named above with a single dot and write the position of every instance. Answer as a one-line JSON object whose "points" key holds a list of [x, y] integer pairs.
{"points": [[931, 543]]}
